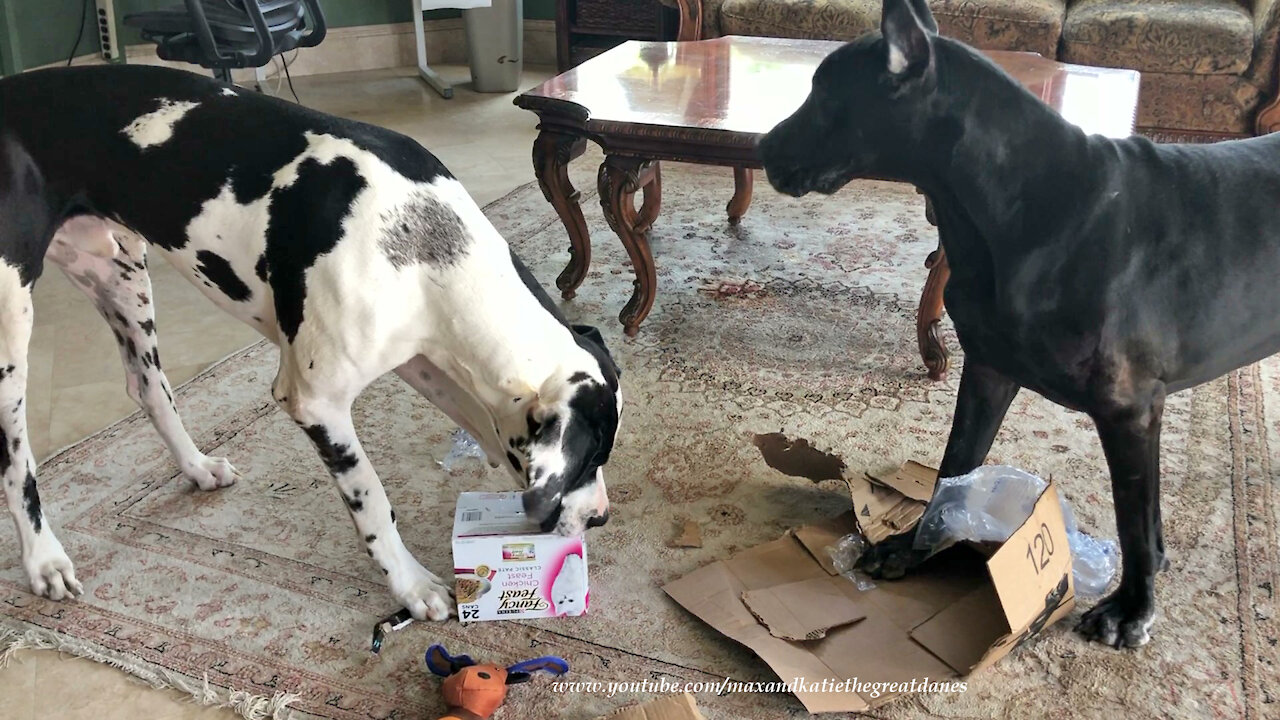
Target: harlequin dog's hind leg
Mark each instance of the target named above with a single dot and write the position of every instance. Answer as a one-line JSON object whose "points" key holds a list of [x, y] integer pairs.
{"points": [[109, 264]]}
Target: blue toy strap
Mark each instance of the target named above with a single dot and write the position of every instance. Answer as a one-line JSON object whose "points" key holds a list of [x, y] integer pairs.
{"points": [[550, 664], [455, 662]]}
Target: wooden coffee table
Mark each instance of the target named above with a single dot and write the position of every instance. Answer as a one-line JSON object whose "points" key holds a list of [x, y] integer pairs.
{"points": [[709, 102]]}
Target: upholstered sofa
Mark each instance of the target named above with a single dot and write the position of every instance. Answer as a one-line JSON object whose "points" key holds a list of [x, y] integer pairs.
{"points": [[1208, 66]]}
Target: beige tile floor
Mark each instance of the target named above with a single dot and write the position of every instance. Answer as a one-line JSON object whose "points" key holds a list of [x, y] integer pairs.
{"points": [[76, 386]]}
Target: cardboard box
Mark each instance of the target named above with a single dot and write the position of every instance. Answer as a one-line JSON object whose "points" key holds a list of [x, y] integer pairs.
{"points": [[505, 568], [672, 707], [958, 613]]}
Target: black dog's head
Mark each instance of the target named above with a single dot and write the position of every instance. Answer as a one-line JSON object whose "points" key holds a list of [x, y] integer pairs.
{"points": [[866, 108], [572, 428]]}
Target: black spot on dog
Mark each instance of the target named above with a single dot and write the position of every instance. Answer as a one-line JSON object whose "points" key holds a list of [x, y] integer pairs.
{"points": [[393, 517], [125, 268], [336, 456], [311, 365], [306, 223], [579, 377], [155, 356], [423, 230], [124, 321], [260, 267], [355, 504], [142, 298], [148, 326], [6, 372], [17, 444], [31, 500], [370, 538], [369, 551], [131, 348], [119, 337], [219, 271], [5, 460], [515, 462]]}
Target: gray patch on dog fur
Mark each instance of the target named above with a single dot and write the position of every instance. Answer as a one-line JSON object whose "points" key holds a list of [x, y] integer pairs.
{"points": [[423, 230]]}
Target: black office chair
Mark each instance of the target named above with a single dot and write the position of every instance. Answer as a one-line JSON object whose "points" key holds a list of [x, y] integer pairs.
{"points": [[224, 34]]}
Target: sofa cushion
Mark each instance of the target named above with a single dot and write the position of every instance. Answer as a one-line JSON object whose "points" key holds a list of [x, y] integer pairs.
{"points": [[1033, 25], [1200, 37]]}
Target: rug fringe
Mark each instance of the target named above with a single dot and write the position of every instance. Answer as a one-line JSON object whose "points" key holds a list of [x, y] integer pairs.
{"points": [[248, 705]]}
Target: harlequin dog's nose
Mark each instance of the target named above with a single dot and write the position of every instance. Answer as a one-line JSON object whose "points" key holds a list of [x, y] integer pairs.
{"points": [[598, 520]]}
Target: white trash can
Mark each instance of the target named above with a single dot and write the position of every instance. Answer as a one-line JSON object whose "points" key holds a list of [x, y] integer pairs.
{"points": [[495, 45]]}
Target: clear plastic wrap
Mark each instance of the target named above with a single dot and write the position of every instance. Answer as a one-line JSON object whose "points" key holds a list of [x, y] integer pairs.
{"points": [[845, 554], [464, 446], [990, 503]]}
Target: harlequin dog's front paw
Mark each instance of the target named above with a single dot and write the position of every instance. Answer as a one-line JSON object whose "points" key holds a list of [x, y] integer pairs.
{"points": [[50, 570], [211, 473], [421, 592]]}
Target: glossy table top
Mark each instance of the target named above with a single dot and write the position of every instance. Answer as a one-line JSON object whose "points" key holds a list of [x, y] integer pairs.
{"points": [[746, 85]]}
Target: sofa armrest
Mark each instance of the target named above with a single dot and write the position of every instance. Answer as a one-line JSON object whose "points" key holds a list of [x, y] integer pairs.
{"points": [[691, 19], [1263, 72], [699, 19]]}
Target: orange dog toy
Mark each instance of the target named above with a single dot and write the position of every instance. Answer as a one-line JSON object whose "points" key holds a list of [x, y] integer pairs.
{"points": [[475, 692]]}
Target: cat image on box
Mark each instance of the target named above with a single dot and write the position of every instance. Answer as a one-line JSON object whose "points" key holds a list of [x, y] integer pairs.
{"points": [[568, 592]]}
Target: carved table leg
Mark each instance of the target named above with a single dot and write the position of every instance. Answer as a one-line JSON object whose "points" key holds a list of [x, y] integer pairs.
{"points": [[929, 315], [552, 152], [620, 179], [652, 200], [743, 180]]}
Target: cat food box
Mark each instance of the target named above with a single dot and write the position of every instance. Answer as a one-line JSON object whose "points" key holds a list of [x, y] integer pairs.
{"points": [[505, 568]]}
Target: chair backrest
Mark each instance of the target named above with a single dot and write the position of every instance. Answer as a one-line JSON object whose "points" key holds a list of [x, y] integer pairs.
{"points": [[225, 34]]}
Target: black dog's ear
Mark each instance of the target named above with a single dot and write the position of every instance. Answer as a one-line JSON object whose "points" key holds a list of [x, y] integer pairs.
{"points": [[908, 44], [925, 15]]}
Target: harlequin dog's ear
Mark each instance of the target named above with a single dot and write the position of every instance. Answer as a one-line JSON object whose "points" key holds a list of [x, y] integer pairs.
{"points": [[522, 671], [592, 334], [440, 662]]}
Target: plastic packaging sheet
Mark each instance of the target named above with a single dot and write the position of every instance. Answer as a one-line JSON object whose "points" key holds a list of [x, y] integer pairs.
{"points": [[464, 446]]}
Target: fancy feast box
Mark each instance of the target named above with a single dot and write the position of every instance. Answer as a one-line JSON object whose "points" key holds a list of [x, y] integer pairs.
{"points": [[505, 568]]}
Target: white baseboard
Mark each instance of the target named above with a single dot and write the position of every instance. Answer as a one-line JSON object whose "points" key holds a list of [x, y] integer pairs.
{"points": [[369, 47]]}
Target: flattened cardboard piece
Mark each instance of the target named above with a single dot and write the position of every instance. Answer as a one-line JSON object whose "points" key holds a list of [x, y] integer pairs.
{"points": [[817, 538], [958, 613], [670, 707], [805, 610]]}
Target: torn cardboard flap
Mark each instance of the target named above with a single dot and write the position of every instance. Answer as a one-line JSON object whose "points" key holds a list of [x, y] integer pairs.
{"points": [[892, 502], [671, 707], [805, 610], [957, 613]]}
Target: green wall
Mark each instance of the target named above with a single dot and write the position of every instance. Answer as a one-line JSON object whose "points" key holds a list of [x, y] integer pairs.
{"points": [[38, 32]]}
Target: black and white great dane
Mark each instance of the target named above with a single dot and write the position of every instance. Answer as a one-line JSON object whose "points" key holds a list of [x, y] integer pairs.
{"points": [[349, 246], [1102, 274]]}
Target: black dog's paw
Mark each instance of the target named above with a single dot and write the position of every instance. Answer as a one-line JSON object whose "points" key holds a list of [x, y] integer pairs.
{"points": [[1118, 621], [892, 558]]}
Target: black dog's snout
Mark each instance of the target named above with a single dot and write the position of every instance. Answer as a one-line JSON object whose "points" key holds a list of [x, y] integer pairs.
{"points": [[598, 520]]}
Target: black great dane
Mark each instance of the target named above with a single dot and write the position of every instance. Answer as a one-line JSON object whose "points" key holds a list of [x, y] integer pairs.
{"points": [[349, 246], [1103, 274]]}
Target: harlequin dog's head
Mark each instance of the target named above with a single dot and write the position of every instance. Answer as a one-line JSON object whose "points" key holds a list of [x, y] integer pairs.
{"points": [[572, 428]]}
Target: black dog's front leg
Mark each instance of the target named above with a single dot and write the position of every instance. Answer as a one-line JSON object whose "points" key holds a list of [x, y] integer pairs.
{"points": [[1131, 441], [981, 404]]}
